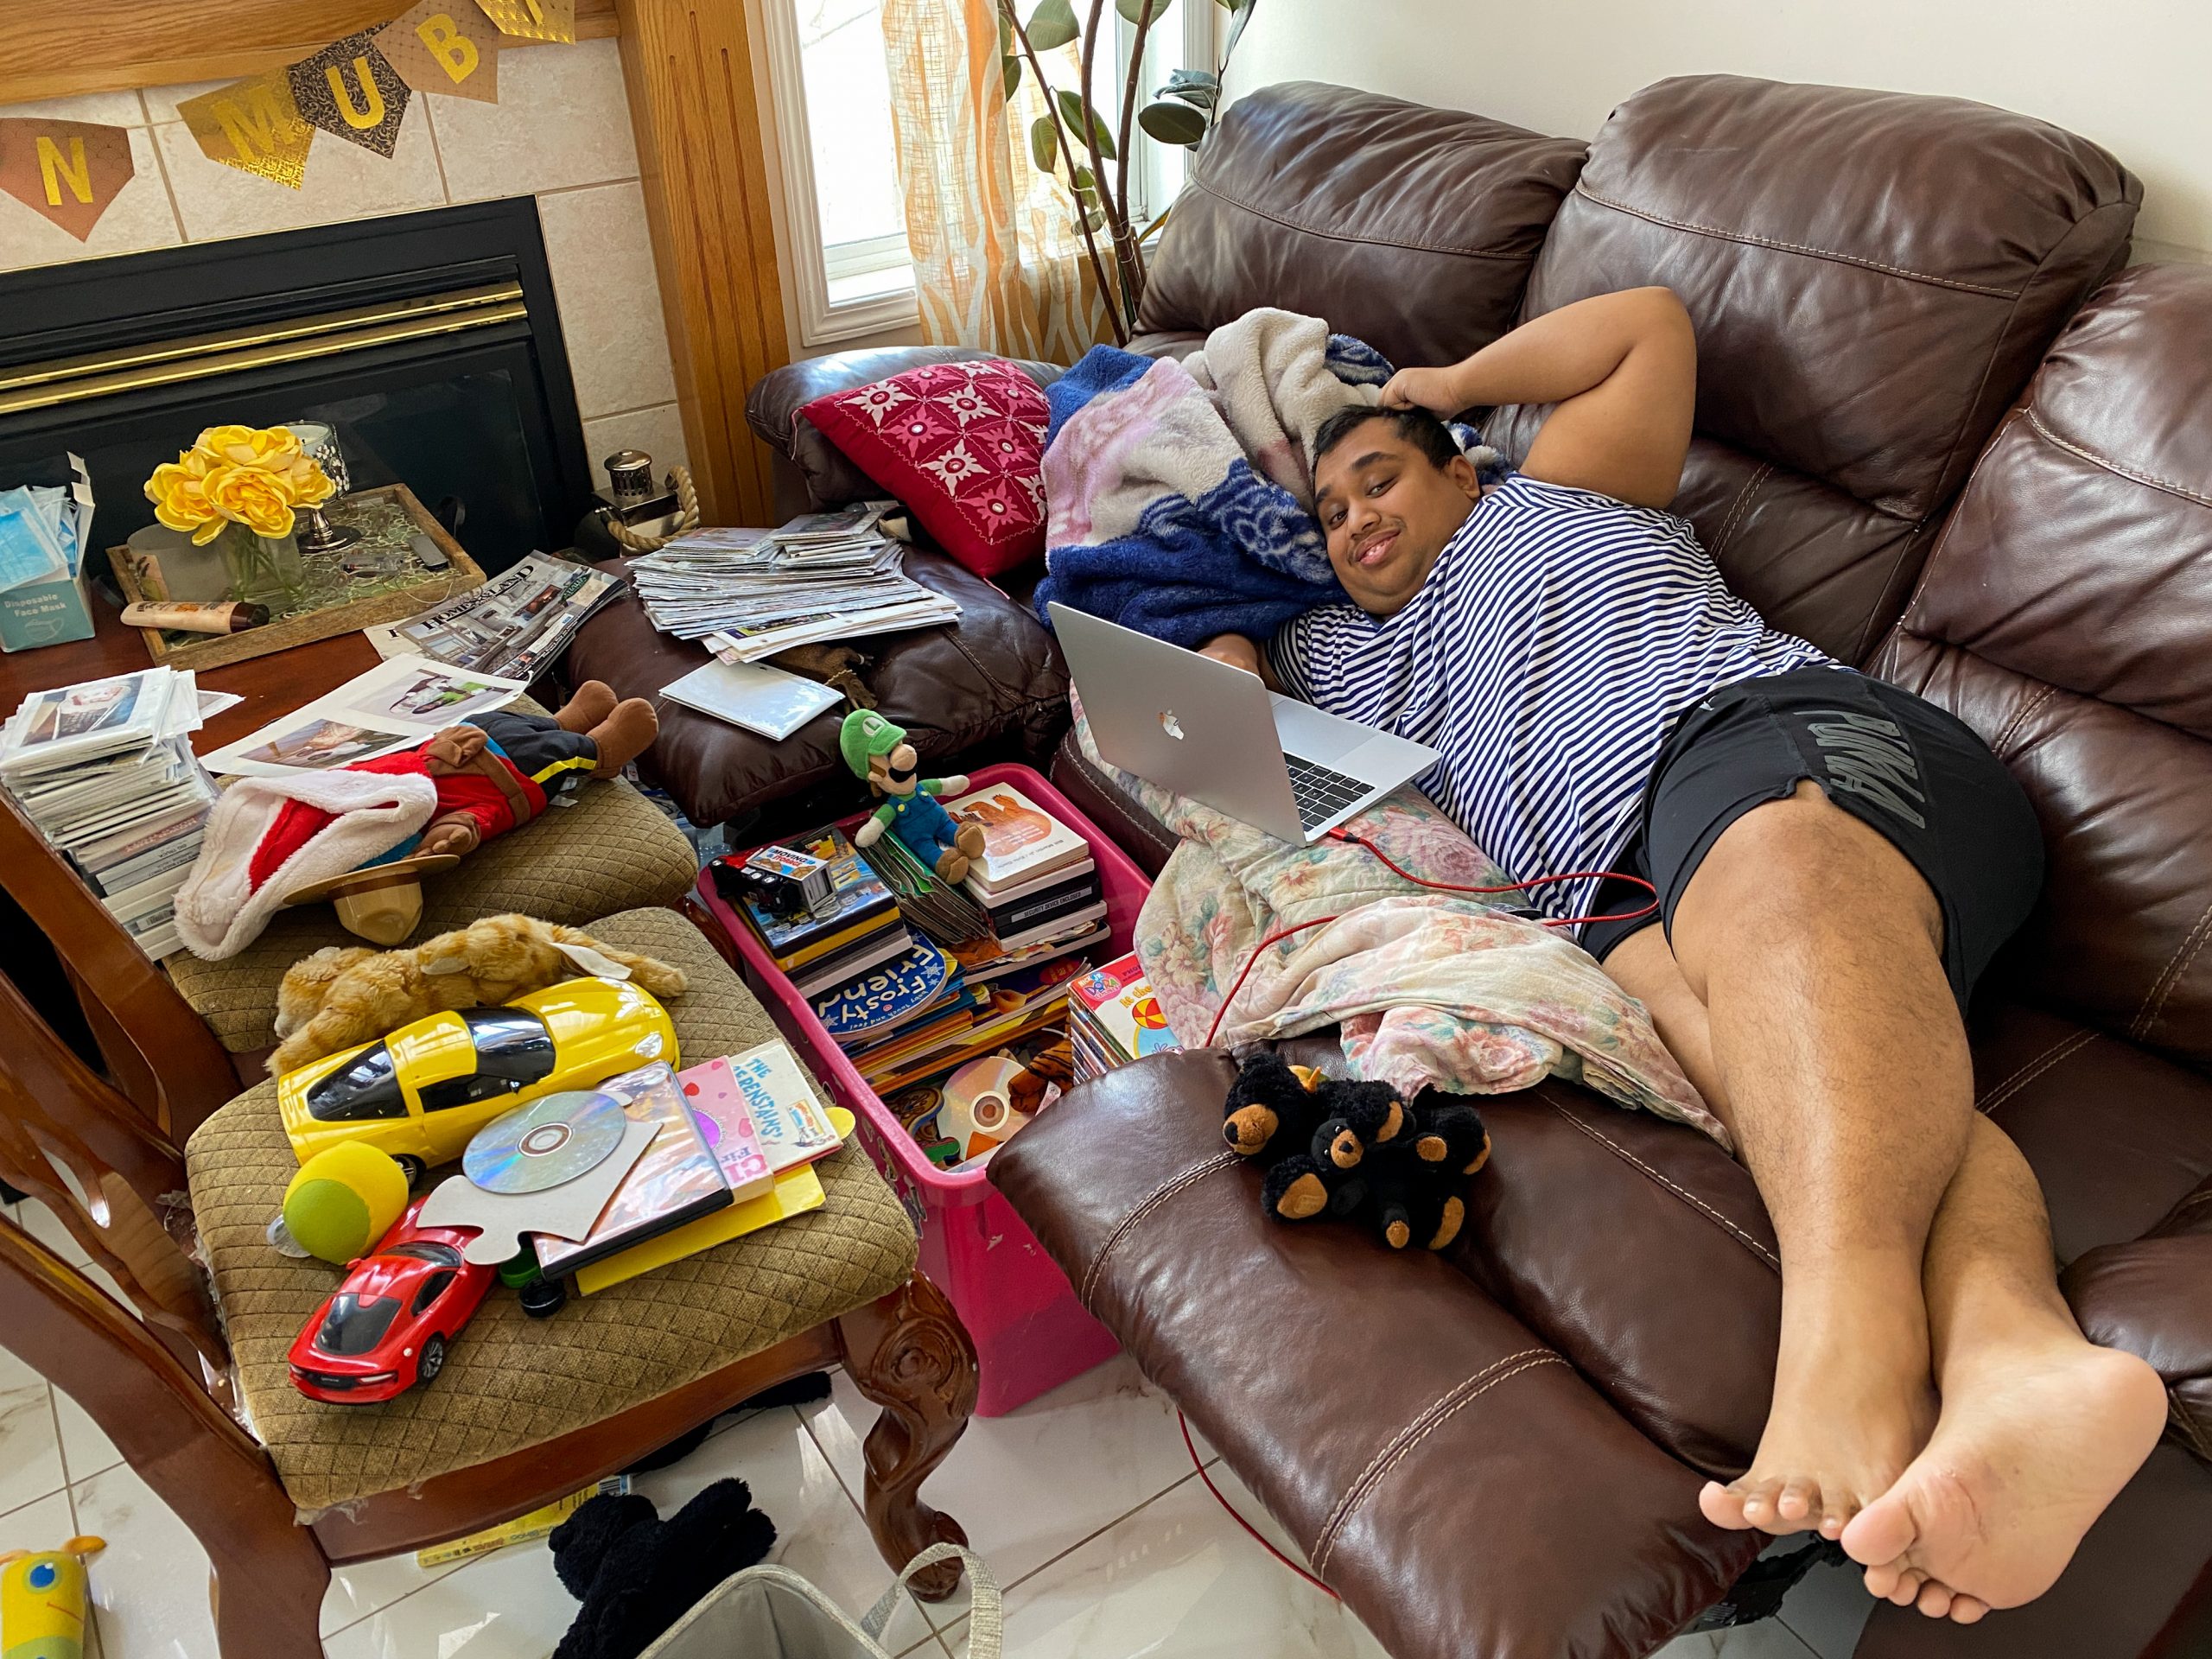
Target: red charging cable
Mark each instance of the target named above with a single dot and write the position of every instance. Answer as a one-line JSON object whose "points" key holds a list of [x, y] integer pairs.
{"points": [[1397, 869]]}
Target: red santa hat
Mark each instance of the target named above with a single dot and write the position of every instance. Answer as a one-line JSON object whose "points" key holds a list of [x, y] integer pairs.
{"points": [[267, 837]]}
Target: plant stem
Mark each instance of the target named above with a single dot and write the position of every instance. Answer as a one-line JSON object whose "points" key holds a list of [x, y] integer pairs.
{"points": [[1117, 223], [1081, 219], [1129, 157]]}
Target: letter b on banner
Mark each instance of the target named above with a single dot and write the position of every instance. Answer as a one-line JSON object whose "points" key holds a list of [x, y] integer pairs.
{"points": [[444, 46]]}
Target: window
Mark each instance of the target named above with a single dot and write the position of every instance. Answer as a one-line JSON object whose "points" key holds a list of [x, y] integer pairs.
{"points": [[1182, 38], [364, 1088], [433, 1287], [841, 168]]}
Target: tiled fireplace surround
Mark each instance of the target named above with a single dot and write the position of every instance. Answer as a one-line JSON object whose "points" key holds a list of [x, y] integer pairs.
{"points": [[561, 132]]}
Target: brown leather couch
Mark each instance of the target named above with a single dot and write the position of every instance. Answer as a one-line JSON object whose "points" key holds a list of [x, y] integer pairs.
{"points": [[1941, 433]]}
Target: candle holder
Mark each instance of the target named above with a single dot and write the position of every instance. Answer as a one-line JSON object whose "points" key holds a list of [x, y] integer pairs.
{"points": [[316, 534]]}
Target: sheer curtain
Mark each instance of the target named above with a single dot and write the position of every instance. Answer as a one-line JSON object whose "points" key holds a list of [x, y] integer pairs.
{"points": [[999, 262]]}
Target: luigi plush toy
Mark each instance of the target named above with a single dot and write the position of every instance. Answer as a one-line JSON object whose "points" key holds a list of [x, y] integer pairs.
{"points": [[878, 750]]}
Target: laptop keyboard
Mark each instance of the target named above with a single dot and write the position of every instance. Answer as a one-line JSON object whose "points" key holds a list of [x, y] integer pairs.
{"points": [[1319, 792]]}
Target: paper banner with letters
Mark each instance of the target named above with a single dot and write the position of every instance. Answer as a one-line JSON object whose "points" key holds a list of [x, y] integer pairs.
{"points": [[347, 88], [253, 125], [533, 20], [68, 170], [444, 46]]}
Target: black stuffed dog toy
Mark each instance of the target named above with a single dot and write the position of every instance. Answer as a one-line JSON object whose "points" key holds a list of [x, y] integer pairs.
{"points": [[1355, 1150], [637, 1574]]}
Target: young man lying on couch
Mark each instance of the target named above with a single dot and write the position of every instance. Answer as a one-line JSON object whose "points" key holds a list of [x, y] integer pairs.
{"points": [[1836, 863]]}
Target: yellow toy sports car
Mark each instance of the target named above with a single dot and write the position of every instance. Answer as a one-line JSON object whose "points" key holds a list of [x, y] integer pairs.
{"points": [[423, 1091]]}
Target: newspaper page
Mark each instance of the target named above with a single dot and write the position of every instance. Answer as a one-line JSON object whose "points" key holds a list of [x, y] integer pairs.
{"points": [[396, 705], [514, 627]]}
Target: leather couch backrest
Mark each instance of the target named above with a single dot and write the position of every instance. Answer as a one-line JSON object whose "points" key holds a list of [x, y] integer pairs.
{"points": [[1414, 228], [2066, 614], [1874, 276]]}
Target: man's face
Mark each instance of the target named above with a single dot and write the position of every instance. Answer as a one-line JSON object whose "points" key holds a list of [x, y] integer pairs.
{"points": [[1388, 510]]}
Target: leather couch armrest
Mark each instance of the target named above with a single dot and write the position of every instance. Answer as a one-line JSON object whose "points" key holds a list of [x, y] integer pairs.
{"points": [[771, 410], [2150, 1296]]}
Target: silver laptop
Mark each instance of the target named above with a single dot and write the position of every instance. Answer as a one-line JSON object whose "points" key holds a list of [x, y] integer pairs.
{"points": [[1218, 734]]}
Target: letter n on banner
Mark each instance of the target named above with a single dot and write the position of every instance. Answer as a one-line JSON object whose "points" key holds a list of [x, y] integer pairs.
{"points": [[444, 46], [68, 170], [253, 125]]}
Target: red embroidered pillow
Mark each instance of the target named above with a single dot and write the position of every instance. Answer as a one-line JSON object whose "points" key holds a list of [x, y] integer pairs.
{"points": [[962, 444]]}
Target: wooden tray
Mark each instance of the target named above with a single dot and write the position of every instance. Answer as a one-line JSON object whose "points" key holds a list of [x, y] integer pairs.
{"points": [[417, 588]]}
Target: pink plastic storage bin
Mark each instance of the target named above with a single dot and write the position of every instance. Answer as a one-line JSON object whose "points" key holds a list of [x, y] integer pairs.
{"points": [[1030, 1332]]}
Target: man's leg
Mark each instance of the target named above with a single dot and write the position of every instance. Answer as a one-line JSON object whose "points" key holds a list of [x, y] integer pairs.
{"points": [[1817, 949], [2039, 1429]]}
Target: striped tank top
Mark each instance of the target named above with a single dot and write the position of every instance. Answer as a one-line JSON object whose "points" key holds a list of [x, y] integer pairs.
{"points": [[1558, 637]]}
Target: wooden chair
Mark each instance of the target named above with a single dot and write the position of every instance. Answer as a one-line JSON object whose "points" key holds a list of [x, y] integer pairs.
{"points": [[161, 1385]]}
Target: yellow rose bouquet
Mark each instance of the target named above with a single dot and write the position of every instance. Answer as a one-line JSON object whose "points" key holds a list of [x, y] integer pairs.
{"points": [[238, 475]]}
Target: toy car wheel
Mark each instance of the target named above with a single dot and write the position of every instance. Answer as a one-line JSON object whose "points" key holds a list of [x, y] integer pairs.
{"points": [[541, 1299], [433, 1360], [412, 1167]]}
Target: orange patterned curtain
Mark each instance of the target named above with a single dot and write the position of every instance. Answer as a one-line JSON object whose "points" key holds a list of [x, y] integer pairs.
{"points": [[999, 262]]}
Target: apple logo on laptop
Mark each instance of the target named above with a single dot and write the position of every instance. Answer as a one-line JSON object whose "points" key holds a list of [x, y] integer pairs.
{"points": [[1170, 725]]}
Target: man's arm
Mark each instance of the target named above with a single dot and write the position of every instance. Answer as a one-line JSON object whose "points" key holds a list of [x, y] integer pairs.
{"points": [[1238, 651], [1622, 369]]}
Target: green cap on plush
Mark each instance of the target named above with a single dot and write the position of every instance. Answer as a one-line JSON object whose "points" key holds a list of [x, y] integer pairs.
{"points": [[864, 735]]}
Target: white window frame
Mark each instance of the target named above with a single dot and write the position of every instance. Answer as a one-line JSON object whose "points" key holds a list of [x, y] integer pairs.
{"points": [[1201, 23], [811, 264]]}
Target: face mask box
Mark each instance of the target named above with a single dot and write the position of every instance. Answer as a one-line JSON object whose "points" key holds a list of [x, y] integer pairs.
{"points": [[44, 536]]}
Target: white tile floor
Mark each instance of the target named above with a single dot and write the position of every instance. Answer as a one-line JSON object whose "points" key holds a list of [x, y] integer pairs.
{"points": [[1084, 1503]]}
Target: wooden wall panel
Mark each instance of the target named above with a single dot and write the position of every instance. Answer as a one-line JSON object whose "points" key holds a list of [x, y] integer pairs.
{"points": [[49, 48], [692, 100]]}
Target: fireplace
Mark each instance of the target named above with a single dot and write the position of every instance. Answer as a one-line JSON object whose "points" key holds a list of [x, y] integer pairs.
{"points": [[429, 342]]}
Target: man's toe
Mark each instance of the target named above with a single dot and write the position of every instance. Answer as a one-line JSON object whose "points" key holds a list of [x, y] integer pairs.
{"points": [[1721, 1506], [1799, 1498], [1965, 1610], [1934, 1600]]}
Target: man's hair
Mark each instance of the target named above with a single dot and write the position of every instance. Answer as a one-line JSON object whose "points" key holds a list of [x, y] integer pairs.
{"points": [[1415, 426]]}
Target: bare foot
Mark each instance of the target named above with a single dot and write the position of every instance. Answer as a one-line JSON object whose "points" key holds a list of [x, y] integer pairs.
{"points": [[1851, 1404], [2030, 1449], [593, 702]]}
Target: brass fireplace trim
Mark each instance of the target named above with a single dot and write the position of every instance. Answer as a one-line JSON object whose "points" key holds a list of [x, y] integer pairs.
{"points": [[103, 374]]}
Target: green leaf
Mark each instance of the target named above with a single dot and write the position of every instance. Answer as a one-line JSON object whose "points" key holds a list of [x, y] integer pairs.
{"points": [[1011, 69], [1134, 11], [1073, 111], [1243, 11], [1053, 25], [1008, 44], [1084, 179], [1043, 146], [1172, 122]]}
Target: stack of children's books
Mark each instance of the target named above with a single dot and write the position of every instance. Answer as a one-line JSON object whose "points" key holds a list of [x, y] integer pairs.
{"points": [[1112, 1019], [106, 771], [851, 924], [736, 1142], [1036, 882]]}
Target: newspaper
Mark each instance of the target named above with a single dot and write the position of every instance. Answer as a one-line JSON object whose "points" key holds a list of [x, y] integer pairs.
{"points": [[514, 627], [398, 704]]}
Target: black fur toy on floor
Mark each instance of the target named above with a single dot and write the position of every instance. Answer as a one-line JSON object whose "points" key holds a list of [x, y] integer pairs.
{"points": [[637, 1574]]}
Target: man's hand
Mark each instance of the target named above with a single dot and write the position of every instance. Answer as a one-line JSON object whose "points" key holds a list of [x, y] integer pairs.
{"points": [[1235, 649], [1436, 391]]}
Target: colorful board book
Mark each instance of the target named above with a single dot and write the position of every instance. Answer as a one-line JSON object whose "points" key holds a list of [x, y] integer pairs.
{"points": [[1117, 1000], [794, 1127], [724, 1117]]}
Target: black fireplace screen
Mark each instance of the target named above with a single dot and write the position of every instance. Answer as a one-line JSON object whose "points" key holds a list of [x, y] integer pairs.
{"points": [[429, 342]]}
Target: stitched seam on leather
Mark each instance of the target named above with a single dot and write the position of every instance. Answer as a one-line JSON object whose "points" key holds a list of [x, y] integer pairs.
{"points": [[2178, 1408], [2177, 970], [1741, 505], [1412, 1435], [1988, 1104], [1290, 224], [1950, 524], [1755, 240], [1159, 1196], [1676, 1188], [1998, 745], [2149, 480], [1145, 825]]}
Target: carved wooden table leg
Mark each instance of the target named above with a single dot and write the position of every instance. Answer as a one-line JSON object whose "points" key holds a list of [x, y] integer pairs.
{"points": [[909, 1353]]}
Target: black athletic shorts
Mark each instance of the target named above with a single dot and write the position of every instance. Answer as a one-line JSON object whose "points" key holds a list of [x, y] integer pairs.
{"points": [[1890, 759]]}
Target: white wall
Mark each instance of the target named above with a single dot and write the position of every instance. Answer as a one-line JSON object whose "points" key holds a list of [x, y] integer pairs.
{"points": [[2135, 75]]}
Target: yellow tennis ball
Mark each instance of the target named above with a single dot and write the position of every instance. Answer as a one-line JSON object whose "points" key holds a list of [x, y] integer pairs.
{"points": [[344, 1199]]}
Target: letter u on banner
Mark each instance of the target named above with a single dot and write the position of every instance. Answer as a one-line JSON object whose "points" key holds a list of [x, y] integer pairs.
{"points": [[348, 89]]}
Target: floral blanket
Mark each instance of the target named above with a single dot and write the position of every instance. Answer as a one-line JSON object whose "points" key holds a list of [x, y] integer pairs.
{"points": [[1431, 988]]}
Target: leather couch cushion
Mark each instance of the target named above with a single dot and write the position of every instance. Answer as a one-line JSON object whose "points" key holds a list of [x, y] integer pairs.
{"points": [[1873, 274], [771, 410], [995, 679], [1411, 227], [1449, 1472]]}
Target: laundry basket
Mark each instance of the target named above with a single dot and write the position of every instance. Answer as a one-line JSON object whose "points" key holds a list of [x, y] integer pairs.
{"points": [[770, 1612]]}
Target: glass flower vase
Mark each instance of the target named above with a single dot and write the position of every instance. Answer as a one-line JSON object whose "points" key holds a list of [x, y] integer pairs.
{"points": [[263, 570]]}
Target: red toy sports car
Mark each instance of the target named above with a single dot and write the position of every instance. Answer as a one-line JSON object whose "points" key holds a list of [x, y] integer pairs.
{"points": [[388, 1325]]}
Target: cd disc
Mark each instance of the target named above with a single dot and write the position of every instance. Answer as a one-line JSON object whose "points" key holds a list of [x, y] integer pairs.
{"points": [[544, 1143], [978, 1110]]}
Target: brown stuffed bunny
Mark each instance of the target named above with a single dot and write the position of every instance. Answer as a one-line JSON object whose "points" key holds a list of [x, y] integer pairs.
{"points": [[342, 995]]}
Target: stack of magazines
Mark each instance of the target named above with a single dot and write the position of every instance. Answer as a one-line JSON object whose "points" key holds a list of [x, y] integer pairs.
{"points": [[106, 771], [749, 594], [516, 625]]}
